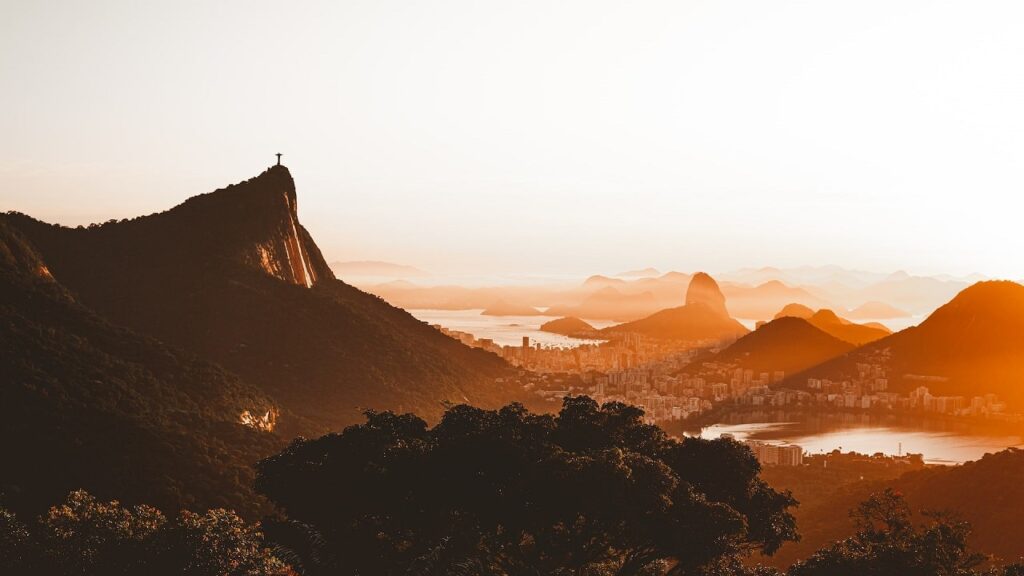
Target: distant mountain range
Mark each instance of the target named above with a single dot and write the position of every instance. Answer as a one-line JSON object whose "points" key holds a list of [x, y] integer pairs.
{"points": [[829, 322], [608, 302], [642, 273], [703, 317], [972, 345], [875, 310], [145, 328], [753, 294], [788, 343], [762, 300]]}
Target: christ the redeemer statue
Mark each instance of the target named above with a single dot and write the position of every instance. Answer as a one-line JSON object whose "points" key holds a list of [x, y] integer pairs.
{"points": [[278, 158]]}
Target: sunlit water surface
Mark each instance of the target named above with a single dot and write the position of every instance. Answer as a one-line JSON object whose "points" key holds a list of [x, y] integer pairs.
{"points": [[504, 330], [940, 442]]}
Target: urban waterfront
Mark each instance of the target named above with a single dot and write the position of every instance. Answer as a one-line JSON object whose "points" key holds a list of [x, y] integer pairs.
{"points": [[940, 442], [816, 421]]}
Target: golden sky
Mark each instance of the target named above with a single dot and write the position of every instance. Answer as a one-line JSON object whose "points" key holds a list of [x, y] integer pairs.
{"points": [[538, 136]]}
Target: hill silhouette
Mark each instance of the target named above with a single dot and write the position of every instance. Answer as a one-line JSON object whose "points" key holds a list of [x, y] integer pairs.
{"points": [[857, 334], [789, 344], [96, 406], [599, 281], [703, 317], [972, 345], [609, 302], [233, 277], [795, 310], [915, 294], [569, 326], [877, 310], [762, 300], [828, 321], [985, 492]]}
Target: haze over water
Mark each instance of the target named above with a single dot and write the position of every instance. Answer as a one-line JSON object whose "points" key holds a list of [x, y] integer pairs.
{"points": [[504, 330], [509, 330]]}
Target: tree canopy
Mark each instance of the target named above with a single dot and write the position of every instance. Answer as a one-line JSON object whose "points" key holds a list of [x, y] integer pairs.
{"points": [[590, 491], [84, 536], [888, 543], [587, 491]]}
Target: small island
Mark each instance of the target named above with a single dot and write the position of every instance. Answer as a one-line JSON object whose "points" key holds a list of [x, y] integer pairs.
{"points": [[569, 326]]}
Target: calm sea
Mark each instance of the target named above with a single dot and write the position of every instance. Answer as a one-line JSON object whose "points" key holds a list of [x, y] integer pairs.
{"points": [[504, 330], [941, 442]]}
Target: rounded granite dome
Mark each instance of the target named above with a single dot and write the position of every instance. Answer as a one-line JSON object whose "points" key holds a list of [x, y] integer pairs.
{"points": [[704, 290]]}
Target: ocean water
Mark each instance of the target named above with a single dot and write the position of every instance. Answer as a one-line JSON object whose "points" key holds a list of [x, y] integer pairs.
{"points": [[504, 330], [939, 442]]}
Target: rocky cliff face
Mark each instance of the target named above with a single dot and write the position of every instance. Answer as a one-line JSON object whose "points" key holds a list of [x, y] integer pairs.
{"points": [[262, 213], [233, 277], [286, 251], [251, 225], [19, 259]]}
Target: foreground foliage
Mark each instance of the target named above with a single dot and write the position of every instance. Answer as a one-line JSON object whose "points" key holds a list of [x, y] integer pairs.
{"points": [[588, 491], [92, 405], [84, 536], [888, 543], [827, 493], [591, 491]]}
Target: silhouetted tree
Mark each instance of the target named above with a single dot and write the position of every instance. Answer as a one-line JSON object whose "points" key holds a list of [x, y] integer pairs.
{"points": [[592, 490], [888, 543]]}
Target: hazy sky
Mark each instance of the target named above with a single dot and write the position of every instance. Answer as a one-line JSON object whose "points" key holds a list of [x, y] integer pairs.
{"points": [[548, 136]]}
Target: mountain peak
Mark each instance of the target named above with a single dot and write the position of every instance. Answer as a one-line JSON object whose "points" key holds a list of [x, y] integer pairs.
{"points": [[795, 310], [974, 343], [980, 291], [788, 343], [704, 290], [249, 226], [600, 280], [827, 316], [257, 222], [996, 300]]}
